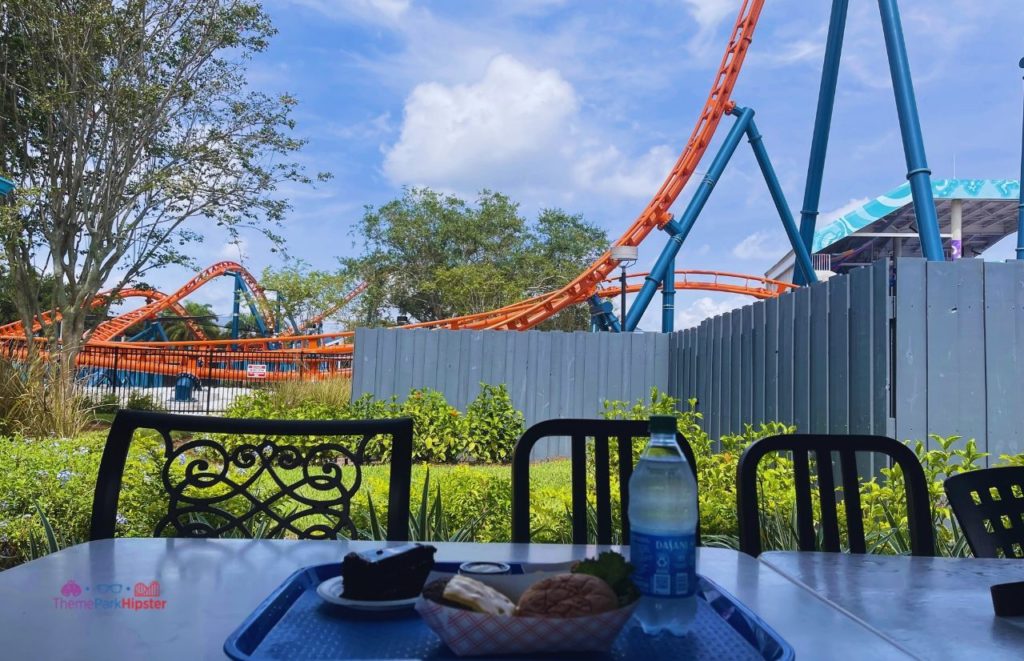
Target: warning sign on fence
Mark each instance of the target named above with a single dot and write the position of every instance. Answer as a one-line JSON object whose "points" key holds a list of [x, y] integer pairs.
{"points": [[256, 371]]}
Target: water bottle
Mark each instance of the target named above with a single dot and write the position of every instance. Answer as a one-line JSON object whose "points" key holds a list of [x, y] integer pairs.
{"points": [[662, 533]]}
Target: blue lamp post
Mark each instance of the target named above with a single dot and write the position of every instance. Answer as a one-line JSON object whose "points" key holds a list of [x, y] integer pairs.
{"points": [[1020, 210]]}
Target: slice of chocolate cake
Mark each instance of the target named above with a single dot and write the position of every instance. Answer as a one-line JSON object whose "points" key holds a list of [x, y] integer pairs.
{"points": [[397, 572]]}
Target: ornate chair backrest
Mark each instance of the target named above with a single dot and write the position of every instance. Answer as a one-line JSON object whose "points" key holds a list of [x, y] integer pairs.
{"points": [[243, 478]]}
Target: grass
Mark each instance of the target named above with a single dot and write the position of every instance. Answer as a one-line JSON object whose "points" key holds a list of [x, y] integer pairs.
{"points": [[39, 399], [333, 392]]}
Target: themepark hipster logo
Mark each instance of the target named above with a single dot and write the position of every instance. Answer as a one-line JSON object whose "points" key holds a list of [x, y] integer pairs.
{"points": [[110, 596]]}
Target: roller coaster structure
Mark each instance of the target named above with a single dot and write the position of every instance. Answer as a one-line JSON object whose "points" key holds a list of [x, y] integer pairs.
{"points": [[592, 286]]}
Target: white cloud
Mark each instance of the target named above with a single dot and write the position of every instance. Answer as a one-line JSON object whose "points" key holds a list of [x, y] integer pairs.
{"points": [[515, 129], [375, 11], [234, 251], [706, 307], [709, 13], [611, 172], [830, 216], [800, 50], [505, 122], [766, 244]]}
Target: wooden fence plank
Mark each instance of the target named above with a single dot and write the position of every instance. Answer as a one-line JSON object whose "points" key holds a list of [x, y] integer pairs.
{"points": [[802, 359], [838, 357], [861, 394], [787, 303], [771, 360], [759, 361], [819, 358], [943, 365], [911, 350]]}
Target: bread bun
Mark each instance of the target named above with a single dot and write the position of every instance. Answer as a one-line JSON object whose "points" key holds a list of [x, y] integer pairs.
{"points": [[567, 595]]}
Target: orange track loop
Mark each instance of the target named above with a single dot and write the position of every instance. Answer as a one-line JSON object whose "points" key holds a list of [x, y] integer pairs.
{"points": [[720, 281], [46, 318], [108, 330]]}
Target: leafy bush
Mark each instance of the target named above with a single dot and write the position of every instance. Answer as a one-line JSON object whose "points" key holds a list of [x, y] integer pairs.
{"points": [[439, 430], [493, 425], [486, 433], [138, 401], [60, 474], [106, 405]]}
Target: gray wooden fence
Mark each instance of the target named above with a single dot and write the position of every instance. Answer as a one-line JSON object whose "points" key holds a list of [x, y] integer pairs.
{"points": [[548, 374], [903, 351], [817, 358], [959, 360], [924, 348]]}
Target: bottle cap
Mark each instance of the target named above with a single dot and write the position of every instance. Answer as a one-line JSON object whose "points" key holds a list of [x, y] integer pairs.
{"points": [[663, 424]]}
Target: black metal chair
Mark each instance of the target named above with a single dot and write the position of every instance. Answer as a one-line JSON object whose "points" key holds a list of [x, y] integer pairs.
{"points": [[579, 430], [922, 537], [989, 504], [205, 497]]}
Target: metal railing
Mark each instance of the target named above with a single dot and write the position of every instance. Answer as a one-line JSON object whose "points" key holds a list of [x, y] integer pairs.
{"points": [[186, 380]]}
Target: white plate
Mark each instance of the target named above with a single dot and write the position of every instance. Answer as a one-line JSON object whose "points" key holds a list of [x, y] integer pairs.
{"points": [[330, 591]]}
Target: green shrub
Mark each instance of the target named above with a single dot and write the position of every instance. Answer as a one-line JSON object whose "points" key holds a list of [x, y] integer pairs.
{"points": [[60, 474], [139, 401], [493, 425], [106, 405], [486, 433], [439, 429]]}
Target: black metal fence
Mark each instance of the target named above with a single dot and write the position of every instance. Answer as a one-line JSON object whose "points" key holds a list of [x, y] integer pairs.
{"points": [[188, 380]]}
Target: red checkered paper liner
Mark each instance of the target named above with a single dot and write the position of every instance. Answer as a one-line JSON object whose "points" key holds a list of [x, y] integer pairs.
{"points": [[468, 633]]}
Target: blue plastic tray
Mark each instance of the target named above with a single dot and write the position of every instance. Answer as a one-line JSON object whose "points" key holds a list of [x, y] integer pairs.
{"points": [[295, 623]]}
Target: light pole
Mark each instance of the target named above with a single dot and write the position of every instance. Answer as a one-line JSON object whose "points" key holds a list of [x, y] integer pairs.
{"points": [[1020, 209], [626, 256]]}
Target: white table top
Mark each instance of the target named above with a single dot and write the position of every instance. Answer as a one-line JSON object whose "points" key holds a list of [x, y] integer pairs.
{"points": [[210, 586], [937, 608]]}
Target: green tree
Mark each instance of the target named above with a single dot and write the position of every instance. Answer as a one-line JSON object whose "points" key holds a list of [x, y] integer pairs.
{"points": [[129, 127], [306, 294], [202, 315], [432, 256]]}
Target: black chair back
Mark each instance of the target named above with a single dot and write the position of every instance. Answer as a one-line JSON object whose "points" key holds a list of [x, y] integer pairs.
{"points": [[922, 537], [579, 430], [989, 504], [317, 482]]}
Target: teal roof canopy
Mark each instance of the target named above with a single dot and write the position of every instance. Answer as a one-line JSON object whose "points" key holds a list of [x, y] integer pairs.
{"points": [[899, 200], [6, 186]]}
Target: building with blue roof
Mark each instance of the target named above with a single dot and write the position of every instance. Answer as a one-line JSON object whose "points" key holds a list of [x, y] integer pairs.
{"points": [[974, 214]]}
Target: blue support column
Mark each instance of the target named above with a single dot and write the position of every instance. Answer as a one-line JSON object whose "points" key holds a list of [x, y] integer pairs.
{"points": [[602, 318], [236, 305], [822, 125], [668, 299], [681, 228], [801, 252], [910, 126], [1020, 211]]}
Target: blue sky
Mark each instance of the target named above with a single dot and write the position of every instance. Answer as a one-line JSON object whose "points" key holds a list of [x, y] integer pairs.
{"points": [[586, 105]]}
